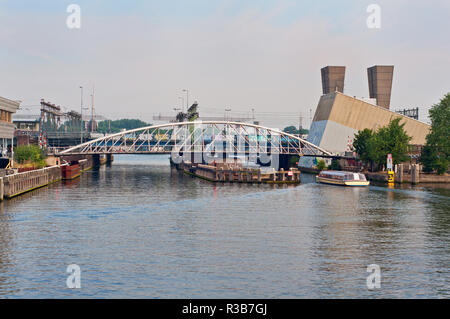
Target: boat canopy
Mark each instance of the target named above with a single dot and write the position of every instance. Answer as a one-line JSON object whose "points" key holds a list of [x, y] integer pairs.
{"points": [[342, 175]]}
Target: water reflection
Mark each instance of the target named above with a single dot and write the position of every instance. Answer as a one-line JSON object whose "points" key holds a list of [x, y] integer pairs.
{"points": [[140, 229]]}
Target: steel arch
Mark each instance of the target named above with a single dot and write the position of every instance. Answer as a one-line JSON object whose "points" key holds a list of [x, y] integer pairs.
{"points": [[198, 136]]}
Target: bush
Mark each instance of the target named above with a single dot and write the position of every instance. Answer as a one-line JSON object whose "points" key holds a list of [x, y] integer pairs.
{"points": [[30, 153], [321, 165], [335, 166]]}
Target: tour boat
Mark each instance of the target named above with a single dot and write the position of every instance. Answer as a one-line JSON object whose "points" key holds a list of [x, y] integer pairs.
{"points": [[342, 178]]}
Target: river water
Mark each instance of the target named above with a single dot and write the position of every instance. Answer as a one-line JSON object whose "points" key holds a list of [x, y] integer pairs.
{"points": [[138, 230]]}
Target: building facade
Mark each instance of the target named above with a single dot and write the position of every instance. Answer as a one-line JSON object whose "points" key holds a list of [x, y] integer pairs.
{"points": [[7, 109], [339, 117]]}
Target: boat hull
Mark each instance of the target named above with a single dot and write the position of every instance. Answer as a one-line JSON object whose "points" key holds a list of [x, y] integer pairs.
{"points": [[69, 172], [342, 183]]}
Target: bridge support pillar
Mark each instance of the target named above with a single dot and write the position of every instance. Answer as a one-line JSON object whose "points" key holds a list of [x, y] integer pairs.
{"points": [[96, 160], [109, 158], [286, 161]]}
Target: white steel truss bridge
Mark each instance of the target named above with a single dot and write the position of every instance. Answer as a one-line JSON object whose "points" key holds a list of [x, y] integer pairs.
{"points": [[213, 137]]}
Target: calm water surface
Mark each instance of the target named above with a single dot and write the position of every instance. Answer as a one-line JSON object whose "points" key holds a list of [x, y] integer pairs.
{"points": [[138, 230]]}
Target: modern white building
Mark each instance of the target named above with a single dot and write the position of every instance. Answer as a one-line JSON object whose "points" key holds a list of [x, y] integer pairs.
{"points": [[7, 109]]}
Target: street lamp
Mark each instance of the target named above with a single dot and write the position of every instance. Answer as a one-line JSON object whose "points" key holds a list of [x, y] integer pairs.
{"points": [[81, 126], [187, 98], [182, 102], [225, 114]]}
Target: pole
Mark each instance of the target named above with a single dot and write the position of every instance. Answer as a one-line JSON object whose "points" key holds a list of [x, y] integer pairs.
{"points": [[92, 110], [81, 127], [187, 99], [182, 103], [300, 125], [12, 152]]}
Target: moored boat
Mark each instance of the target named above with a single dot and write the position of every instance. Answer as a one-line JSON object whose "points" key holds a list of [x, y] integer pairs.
{"points": [[342, 178], [70, 171]]}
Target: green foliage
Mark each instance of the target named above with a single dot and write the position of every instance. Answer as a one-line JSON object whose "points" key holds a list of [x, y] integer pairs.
{"points": [[294, 160], [374, 147], [427, 158], [391, 139], [335, 166], [436, 153], [321, 165], [30, 153], [191, 115], [362, 144], [294, 131], [118, 125]]}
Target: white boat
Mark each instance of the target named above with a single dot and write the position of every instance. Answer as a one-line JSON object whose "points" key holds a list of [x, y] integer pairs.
{"points": [[342, 178]]}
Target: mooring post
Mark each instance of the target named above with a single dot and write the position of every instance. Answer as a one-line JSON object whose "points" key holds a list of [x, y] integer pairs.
{"points": [[415, 174], [399, 176], [1, 188]]}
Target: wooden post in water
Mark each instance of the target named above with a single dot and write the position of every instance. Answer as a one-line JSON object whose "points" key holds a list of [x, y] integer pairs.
{"points": [[415, 177], [399, 177]]}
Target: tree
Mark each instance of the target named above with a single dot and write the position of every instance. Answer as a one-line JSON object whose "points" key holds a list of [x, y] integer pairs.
{"points": [[321, 165], [335, 166], [436, 153], [294, 131], [361, 144], [373, 147], [391, 139], [117, 125], [191, 115]]}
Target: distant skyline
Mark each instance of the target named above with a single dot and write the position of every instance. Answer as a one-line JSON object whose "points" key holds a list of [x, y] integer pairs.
{"points": [[236, 55]]}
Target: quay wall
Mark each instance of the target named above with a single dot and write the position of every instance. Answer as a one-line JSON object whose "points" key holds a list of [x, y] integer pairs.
{"points": [[409, 178], [16, 184]]}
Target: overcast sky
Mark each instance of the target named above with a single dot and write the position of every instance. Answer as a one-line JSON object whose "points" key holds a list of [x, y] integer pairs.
{"points": [[238, 54]]}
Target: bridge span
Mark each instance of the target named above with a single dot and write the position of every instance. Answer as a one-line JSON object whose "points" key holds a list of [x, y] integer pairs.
{"points": [[212, 137]]}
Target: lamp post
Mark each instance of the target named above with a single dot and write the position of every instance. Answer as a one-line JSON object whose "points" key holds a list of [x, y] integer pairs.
{"points": [[225, 114], [81, 126], [182, 102], [176, 109], [187, 98]]}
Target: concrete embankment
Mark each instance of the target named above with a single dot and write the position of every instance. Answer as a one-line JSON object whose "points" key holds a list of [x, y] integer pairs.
{"points": [[411, 175], [16, 184]]}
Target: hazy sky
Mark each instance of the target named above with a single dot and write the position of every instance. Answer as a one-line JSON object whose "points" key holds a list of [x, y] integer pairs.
{"points": [[238, 54]]}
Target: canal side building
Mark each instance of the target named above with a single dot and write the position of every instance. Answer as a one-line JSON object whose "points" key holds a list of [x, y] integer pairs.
{"points": [[339, 117], [7, 109]]}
